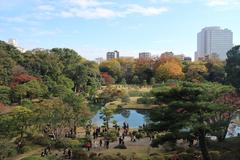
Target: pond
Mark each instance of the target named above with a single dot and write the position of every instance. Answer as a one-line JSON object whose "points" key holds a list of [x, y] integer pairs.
{"points": [[134, 118]]}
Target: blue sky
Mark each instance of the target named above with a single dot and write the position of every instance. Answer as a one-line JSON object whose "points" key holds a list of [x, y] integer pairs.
{"points": [[93, 27]]}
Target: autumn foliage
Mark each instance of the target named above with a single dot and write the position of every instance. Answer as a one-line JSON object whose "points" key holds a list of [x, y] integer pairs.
{"points": [[22, 78], [107, 77]]}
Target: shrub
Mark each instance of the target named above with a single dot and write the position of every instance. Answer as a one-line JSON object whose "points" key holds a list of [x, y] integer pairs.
{"points": [[79, 154], [125, 98], [72, 143], [155, 143], [157, 157], [215, 155], [25, 149], [121, 146], [34, 158], [59, 144], [186, 156], [230, 155], [41, 140], [145, 100], [113, 135], [12, 152], [109, 157]]}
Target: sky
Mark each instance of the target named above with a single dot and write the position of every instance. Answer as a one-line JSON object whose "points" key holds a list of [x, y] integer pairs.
{"points": [[93, 27]]}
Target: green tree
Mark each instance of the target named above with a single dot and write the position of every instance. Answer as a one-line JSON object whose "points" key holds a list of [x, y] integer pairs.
{"points": [[233, 67], [106, 114], [5, 94], [190, 109], [31, 89], [113, 67], [79, 112], [16, 122], [6, 66]]}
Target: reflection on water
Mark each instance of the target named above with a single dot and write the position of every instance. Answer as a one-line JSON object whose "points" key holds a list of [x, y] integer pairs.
{"points": [[133, 117]]}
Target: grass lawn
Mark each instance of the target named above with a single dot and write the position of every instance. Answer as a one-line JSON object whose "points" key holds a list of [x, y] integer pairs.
{"points": [[138, 151]]}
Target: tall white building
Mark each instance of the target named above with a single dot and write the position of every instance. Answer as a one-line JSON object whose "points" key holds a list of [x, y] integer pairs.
{"points": [[214, 40], [14, 43]]}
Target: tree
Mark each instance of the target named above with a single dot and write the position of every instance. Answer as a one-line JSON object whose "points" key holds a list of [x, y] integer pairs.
{"points": [[5, 95], [169, 70], [233, 67], [32, 89], [106, 114], [80, 112], [144, 70], [6, 66], [113, 68], [107, 79], [195, 72], [16, 123], [216, 72], [188, 109], [135, 80]]}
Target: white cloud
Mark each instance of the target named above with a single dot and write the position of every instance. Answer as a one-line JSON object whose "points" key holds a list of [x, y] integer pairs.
{"points": [[223, 2], [147, 11], [83, 3], [90, 13], [46, 8]]}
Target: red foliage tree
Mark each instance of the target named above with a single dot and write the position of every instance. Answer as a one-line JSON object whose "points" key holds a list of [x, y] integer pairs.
{"points": [[107, 78], [22, 78]]}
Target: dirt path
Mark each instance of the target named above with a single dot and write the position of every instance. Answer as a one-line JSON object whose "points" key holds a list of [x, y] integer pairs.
{"points": [[30, 153]]}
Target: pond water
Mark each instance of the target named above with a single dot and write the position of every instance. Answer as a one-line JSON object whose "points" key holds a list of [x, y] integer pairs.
{"points": [[134, 118]]}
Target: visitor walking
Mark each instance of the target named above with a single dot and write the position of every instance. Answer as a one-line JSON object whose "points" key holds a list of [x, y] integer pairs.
{"points": [[100, 143]]}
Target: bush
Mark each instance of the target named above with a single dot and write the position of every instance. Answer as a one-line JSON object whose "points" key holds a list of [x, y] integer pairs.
{"points": [[79, 154], [113, 135], [27, 103], [125, 98], [12, 152], [215, 155], [34, 158], [157, 157], [145, 100], [155, 143], [120, 146], [109, 157], [231, 155], [72, 143], [41, 140], [186, 156], [25, 149]]}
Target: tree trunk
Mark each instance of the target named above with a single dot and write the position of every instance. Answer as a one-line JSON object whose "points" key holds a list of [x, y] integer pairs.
{"points": [[203, 145]]}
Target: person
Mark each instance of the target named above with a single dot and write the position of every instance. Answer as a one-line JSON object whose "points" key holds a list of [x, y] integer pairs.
{"points": [[69, 154], [95, 144], [94, 135], [88, 146], [123, 135], [107, 143], [100, 143], [42, 154], [45, 151], [120, 140], [49, 148], [134, 138]]}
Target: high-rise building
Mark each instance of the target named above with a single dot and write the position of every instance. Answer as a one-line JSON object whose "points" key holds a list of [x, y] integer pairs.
{"points": [[14, 43], [99, 60], [112, 55], [214, 40], [144, 55]]}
